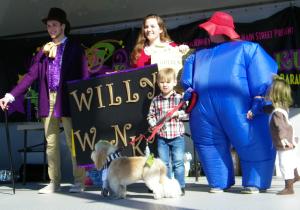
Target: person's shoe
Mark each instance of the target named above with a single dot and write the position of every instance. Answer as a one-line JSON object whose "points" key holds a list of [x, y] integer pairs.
{"points": [[50, 188], [288, 189], [105, 192], [76, 188], [263, 190], [182, 191], [250, 190], [215, 190]]}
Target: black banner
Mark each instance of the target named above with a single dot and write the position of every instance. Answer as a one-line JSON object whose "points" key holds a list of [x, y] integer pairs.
{"points": [[111, 107]]}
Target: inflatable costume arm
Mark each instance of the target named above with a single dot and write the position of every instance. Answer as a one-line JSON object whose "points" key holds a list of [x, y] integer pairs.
{"points": [[260, 70], [188, 72]]}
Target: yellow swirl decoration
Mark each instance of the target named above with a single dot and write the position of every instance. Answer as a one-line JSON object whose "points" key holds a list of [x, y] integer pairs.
{"points": [[127, 126], [135, 97], [118, 101], [144, 82], [89, 90]]}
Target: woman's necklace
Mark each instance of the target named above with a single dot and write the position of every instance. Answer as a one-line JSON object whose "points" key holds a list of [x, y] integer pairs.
{"points": [[152, 49]]}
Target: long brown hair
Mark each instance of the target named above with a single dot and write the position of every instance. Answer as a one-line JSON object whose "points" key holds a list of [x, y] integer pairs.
{"points": [[142, 41]]}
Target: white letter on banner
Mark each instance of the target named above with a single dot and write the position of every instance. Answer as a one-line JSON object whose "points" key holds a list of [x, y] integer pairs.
{"points": [[111, 96], [135, 97], [118, 133], [135, 146], [86, 138], [99, 93], [83, 99], [144, 82]]}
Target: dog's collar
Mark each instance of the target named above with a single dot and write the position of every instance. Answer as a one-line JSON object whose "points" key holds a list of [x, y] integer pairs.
{"points": [[112, 157]]}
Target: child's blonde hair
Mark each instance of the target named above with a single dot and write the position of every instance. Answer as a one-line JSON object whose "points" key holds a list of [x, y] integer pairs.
{"points": [[280, 93], [166, 75]]}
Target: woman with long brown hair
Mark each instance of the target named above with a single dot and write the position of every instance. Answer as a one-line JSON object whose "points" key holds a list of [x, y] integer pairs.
{"points": [[152, 39]]}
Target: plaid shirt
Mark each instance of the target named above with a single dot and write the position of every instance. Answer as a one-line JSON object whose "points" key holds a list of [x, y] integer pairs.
{"points": [[159, 107]]}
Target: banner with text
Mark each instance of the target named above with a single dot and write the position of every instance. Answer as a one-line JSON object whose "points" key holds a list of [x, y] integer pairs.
{"points": [[111, 107]]}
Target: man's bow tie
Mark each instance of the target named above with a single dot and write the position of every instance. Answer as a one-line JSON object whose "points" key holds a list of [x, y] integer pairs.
{"points": [[50, 49]]}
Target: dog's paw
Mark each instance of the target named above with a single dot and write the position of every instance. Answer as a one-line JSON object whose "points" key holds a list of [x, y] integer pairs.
{"points": [[114, 197], [157, 197], [171, 188]]}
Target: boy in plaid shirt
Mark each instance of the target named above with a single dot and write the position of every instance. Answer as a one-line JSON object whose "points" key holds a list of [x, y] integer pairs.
{"points": [[170, 141]]}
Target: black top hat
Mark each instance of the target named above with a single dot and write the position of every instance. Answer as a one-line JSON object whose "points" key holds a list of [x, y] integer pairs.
{"points": [[56, 14]]}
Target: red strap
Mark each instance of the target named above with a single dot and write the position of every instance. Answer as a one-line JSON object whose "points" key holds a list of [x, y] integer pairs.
{"points": [[140, 137], [162, 121], [192, 102], [159, 125]]}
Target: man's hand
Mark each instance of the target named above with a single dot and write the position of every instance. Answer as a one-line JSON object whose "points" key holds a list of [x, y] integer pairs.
{"points": [[4, 103], [184, 49], [175, 114], [150, 129], [250, 115], [187, 95], [256, 108], [286, 144]]}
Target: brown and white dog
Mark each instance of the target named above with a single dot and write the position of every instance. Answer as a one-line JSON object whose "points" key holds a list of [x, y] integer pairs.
{"points": [[127, 170]]}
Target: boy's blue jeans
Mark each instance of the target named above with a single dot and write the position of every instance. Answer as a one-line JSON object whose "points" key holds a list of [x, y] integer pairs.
{"points": [[171, 152]]}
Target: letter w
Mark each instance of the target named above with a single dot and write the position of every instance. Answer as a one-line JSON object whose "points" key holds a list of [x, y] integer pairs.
{"points": [[86, 139], [83, 99]]}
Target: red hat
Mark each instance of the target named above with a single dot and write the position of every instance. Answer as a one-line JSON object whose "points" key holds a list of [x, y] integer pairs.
{"points": [[220, 23]]}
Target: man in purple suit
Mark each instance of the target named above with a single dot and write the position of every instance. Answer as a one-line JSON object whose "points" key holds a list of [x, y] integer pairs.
{"points": [[60, 61]]}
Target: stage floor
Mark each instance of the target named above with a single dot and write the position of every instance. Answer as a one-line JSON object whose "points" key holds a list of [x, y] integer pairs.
{"points": [[196, 197]]}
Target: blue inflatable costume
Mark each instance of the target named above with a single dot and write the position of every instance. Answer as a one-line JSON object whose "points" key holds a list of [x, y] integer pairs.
{"points": [[227, 78]]}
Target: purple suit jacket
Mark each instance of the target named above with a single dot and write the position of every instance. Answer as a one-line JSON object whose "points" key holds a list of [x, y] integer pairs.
{"points": [[73, 67]]}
